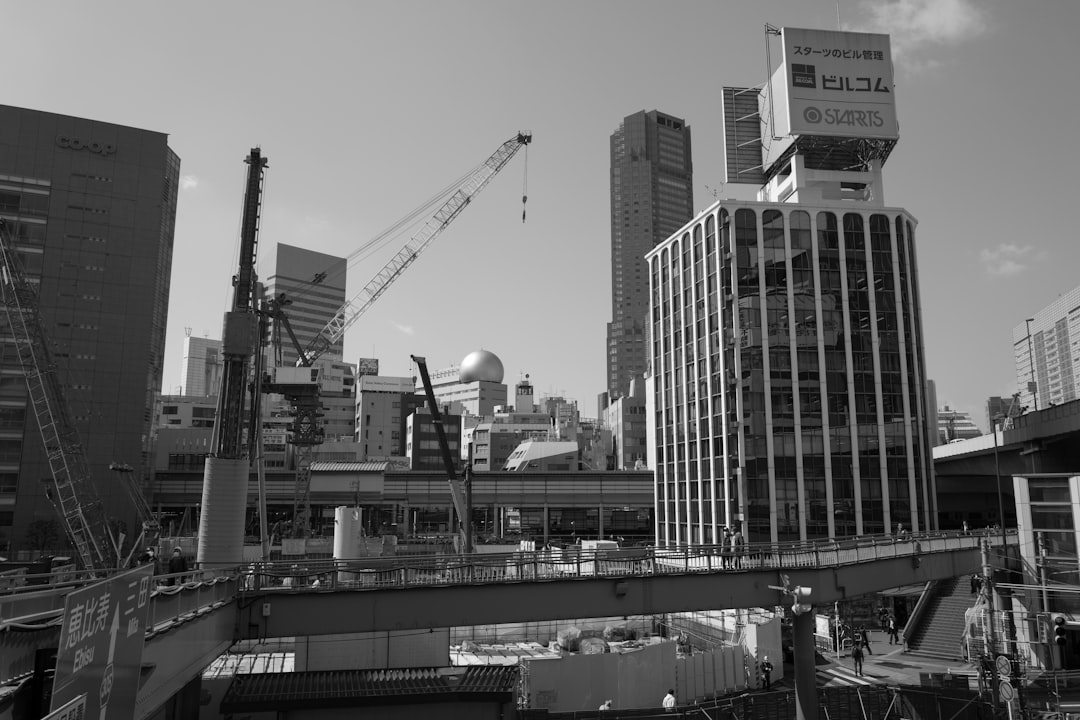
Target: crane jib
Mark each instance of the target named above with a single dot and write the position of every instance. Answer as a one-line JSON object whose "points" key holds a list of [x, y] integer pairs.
{"points": [[461, 197]]}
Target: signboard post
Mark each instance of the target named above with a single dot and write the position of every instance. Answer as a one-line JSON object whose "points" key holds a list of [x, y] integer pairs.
{"points": [[74, 710], [101, 644]]}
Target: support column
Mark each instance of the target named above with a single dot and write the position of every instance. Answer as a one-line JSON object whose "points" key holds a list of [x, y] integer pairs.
{"points": [[601, 515], [806, 701], [406, 521], [547, 525]]}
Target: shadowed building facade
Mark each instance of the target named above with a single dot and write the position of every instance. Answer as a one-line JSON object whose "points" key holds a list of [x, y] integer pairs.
{"points": [[92, 208]]}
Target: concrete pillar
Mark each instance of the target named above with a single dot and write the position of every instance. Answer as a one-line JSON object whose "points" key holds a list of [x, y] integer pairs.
{"points": [[406, 521], [601, 515], [499, 510], [547, 525], [806, 701]]}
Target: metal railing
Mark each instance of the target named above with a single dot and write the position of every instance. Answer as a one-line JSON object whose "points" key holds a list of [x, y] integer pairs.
{"points": [[199, 591], [318, 575]]}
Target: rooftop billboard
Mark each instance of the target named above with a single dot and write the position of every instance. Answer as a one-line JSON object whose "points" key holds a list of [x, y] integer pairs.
{"points": [[837, 84]]}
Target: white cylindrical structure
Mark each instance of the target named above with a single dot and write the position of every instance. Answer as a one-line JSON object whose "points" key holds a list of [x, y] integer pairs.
{"points": [[348, 538], [224, 503], [348, 532]]}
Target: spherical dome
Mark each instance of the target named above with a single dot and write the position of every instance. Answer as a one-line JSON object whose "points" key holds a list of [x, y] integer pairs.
{"points": [[481, 365]]}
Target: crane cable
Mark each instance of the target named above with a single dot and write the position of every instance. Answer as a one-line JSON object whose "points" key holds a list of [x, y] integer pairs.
{"points": [[525, 185]]}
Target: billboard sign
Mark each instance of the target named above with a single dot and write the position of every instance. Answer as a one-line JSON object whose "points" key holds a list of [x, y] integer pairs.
{"points": [[839, 84], [101, 644]]}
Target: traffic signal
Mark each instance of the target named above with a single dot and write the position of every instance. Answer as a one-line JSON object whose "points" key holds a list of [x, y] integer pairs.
{"points": [[1059, 630], [800, 600]]}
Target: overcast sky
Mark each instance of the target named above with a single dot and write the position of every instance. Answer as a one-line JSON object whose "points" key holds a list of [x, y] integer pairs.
{"points": [[366, 109]]}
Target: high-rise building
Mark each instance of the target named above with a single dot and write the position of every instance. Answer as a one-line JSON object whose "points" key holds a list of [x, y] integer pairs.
{"points": [[1047, 367], [314, 286], [92, 207], [955, 424], [201, 367], [651, 197], [787, 385]]}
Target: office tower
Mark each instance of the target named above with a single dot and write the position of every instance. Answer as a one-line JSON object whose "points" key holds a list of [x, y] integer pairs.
{"points": [[1047, 367], [201, 367], [787, 384], [92, 206], [651, 197], [314, 286]]}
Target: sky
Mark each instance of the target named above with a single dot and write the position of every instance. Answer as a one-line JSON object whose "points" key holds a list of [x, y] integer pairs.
{"points": [[366, 109]]}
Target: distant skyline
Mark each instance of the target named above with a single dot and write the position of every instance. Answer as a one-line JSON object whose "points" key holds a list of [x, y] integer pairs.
{"points": [[366, 109]]}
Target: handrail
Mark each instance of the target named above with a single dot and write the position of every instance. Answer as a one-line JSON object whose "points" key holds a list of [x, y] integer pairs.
{"points": [[200, 590], [558, 563]]}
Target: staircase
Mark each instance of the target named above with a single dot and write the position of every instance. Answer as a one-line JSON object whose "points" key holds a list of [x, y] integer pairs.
{"points": [[941, 626]]}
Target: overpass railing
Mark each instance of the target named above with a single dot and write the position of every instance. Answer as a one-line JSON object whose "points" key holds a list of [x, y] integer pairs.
{"points": [[175, 599], [552, 563]]}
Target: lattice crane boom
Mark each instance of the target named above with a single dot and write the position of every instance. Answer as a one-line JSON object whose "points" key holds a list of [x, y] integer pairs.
{"points": [[73, 493], [468, 189]]}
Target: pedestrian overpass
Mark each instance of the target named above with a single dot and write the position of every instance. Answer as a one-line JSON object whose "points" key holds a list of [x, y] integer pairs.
{"points": [[193, 623]]}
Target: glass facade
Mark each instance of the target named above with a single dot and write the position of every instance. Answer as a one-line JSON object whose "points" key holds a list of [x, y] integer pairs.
{"points": [[788, 375], [651, 197]]}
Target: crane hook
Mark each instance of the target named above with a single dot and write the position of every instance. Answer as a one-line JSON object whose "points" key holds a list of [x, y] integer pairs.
{"points": [[525, 185]]}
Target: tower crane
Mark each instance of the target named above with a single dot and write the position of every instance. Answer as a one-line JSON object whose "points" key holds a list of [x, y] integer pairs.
{"points": [[464, 193], [73, 492], [460, 196]]}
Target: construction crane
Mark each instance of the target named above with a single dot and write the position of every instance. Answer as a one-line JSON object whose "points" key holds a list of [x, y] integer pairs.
{"points": [[458, 494], [225, 474], [73, 492], [461, 195]]}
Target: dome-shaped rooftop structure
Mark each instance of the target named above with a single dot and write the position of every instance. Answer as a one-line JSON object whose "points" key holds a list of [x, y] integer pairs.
{"points": [[481, 365]]}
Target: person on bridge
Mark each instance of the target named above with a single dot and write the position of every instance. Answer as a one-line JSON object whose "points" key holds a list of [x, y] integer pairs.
{"points": [[857, 658], [736, 548], [669, 701], [766, 673], [177, 564]]}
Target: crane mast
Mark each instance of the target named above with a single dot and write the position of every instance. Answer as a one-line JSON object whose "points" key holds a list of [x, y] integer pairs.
{"points": [[73, 492], [238, 341], [225, 474], [469, 188]]}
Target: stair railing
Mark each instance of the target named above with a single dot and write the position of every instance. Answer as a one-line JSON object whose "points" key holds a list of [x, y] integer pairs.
{"points": [[920, 608]]}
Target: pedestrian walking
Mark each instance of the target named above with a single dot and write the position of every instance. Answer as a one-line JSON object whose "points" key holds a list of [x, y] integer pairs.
{"points": [[864, 640], [974, 583], [736, 548], [669, 701], [725, 550], [894, 631], [883, 618], [966, 528], [177, 564], [857, 658], [766, 672]]}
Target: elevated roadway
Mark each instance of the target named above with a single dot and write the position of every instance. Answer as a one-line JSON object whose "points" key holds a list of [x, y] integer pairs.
{"points": [[193, 623]]}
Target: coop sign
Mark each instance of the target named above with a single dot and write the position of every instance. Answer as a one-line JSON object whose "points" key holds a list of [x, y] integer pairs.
{"points": [[93, 146]]}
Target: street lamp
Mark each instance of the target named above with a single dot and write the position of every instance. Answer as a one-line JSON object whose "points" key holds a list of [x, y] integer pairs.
{"points": [[997, 475], [1032, 386]]}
